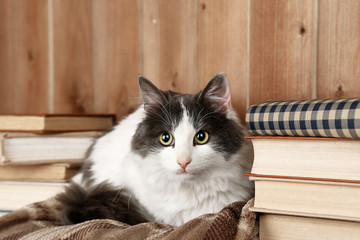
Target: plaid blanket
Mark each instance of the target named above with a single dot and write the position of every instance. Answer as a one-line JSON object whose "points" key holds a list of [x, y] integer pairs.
{"points": [[311, 118], [40, 221]]}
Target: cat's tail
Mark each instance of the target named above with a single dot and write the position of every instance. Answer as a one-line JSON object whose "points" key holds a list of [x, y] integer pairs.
{"points": [[99, 202]]}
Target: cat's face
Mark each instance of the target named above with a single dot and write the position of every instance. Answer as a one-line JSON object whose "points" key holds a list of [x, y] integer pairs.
{"points": [[187, 135]]}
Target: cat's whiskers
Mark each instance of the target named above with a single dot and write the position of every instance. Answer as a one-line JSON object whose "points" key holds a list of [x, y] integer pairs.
{"points": [[166, 112], [117, 196], [198, 115], [207, 116], [169, 113], [167, 122], [163, 109], [131, 194], [157, 100], [216, 117], [201, 121]]}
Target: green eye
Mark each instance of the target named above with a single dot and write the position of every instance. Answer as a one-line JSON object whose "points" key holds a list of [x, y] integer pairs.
{"points": [[166, 139], [201, 137]]}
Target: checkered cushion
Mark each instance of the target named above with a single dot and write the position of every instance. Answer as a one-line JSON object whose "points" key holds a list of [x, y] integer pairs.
{"points": [[316, 118]]}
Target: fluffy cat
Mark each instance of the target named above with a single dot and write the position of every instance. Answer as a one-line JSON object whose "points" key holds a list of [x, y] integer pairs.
{"points": [[175, 158]]}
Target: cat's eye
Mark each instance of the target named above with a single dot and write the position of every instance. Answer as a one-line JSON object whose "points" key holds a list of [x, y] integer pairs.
{"points": [[166, 139], [201, 137]]}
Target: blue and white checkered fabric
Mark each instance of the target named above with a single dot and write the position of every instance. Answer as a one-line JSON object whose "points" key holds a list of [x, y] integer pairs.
{"points": [[338, 118]]}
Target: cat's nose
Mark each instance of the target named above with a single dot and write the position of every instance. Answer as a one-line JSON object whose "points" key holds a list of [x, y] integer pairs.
{"points": [[184, 163]]}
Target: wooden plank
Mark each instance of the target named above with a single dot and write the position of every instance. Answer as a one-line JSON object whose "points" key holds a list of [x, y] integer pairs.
{"points": [[6, 58], [281, 50], [73, 78], [30, 66], [339, 49], [223, 46], [169, 44], [116, 55]]}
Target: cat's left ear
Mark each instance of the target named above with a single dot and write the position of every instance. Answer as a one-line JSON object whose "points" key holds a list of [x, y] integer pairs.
{"points": [[217, 93], [152, 96]]}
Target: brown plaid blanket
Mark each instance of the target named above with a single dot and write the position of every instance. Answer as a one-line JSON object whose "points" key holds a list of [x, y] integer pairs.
{"points": [[40, 221]]}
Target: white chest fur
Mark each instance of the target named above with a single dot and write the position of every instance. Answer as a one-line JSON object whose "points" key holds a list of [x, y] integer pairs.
{"points": [[176, 202]]}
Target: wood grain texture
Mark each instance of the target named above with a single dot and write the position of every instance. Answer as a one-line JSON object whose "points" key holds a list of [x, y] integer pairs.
{"points": [[281, 50], [30, 66], [73, 75], [6, 57], [269, 50], [169, 44], [339, 49], [222, 46], [116, 56]]}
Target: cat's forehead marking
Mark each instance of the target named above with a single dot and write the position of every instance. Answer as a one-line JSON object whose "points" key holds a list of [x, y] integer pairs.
{"points": [[182, 105], [185, 122], [184, 131], [195, 110], [190, 113]]}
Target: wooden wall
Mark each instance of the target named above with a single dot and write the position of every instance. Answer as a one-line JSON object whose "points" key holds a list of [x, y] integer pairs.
{"points": [[84, 56]]}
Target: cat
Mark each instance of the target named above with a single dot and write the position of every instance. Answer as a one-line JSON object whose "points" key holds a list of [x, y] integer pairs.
{"points": [[178, 156]]}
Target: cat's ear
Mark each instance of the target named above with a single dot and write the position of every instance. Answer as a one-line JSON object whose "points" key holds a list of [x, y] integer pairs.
{"points": [[217, 93], [152, 96]]}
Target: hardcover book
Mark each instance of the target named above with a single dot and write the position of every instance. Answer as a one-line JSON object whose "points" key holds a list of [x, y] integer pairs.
{"points": [[14, 195], [60, 172], [275, 227], [331, 158], [49, 123], [312, 198], [29, 148]]}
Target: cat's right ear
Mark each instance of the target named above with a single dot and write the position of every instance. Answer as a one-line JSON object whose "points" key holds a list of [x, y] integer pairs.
{"points": [[217, 93], [152, 96]]}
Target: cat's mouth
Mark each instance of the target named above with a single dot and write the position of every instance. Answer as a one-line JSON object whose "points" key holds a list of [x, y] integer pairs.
{"points": [[182, 172], [185, 173]]}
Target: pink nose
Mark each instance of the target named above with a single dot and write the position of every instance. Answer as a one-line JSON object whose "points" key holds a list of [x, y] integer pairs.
{"points": [[183, 164]]}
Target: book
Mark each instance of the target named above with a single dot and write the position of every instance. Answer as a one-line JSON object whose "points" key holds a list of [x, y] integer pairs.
{"points": [[316, 157], [312, 118], [46, 173], [30, 148], [48, 123], [275, 227], [14, 195], [311, 198]]}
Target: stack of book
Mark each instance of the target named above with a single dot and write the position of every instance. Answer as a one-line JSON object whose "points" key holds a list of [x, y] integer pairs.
{"points": [[306, 168], [40, 153]]}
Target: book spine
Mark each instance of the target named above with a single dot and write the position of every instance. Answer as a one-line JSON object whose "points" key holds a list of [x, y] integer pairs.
{"points": [[2, 157], [307, 198], [338, 118]]}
